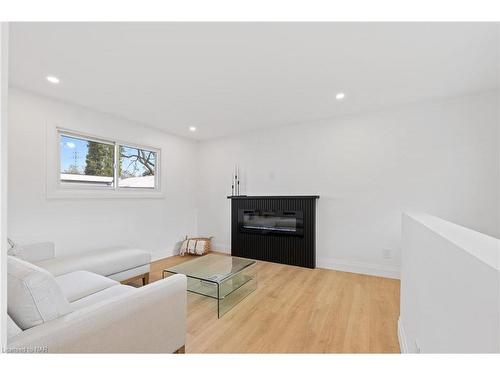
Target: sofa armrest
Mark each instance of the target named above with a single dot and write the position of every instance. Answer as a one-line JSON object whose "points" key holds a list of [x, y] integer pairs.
{"points": [[150, 320], [37, 252]]}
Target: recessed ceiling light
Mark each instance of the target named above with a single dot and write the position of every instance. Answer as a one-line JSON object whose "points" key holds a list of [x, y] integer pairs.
{"points": [[340, 96], [192, 128], [53, 79]]}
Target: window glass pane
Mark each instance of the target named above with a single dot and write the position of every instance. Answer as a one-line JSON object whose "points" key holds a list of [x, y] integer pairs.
{"points": [[86, 162], [137, 168]]}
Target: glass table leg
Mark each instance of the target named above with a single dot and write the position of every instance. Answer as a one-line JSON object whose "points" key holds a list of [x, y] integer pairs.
{"points": [[232, 290], [218, 301]]}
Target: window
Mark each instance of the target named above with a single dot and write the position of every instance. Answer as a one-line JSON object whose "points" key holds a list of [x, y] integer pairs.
{"points": [[86, 161], [137, 168]]}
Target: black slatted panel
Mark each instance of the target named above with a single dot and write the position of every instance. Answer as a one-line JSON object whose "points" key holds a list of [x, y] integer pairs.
{"points": [[293, 250]]}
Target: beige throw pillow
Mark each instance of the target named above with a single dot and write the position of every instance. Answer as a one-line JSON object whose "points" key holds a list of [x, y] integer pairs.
{"points": [[196, 245]]}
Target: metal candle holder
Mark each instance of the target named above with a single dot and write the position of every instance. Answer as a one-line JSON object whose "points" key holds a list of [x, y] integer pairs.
{"points": [[235, 186]]}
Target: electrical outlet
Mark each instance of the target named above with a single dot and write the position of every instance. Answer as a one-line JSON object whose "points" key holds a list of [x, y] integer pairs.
{"points": [[386, 253]]}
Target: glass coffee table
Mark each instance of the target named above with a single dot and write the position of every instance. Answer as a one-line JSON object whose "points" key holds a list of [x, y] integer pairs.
{"points": [[227, 279]]}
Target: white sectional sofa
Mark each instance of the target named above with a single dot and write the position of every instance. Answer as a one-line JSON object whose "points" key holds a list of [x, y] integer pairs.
{"points": [[117, 263], [83, 312]]}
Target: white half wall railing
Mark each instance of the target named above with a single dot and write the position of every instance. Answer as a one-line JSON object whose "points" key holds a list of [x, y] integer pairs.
{"points": [[450, 292]]}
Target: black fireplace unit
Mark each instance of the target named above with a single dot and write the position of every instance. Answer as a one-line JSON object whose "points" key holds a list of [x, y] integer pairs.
{"points": [[278, 229]]}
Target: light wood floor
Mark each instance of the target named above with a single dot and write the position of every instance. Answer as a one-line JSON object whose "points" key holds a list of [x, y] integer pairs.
{"points": [[297, 310]]}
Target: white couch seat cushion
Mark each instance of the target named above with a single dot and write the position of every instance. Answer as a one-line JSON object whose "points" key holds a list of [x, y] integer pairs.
{"points": [[103, 295], [34, 297], [79, 284], [104, 262]]}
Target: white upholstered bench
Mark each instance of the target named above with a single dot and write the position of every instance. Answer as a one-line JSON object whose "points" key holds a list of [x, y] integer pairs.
{"points": [[120, 264]]}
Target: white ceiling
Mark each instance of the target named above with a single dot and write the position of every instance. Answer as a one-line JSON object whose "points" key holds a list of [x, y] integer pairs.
{"points": [[227, 78]]}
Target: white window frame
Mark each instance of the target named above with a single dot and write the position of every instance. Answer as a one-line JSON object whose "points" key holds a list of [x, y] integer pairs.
{"points": [[144, 148], [76, 185], [59, 189]]}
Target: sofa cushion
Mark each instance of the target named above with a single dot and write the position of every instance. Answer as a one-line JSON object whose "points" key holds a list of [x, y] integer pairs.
{"points": [[104, 262], [12, 328], [104, 295], [34, 297], [79, 284]]}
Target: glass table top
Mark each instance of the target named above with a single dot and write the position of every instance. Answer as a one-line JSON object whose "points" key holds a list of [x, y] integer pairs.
{"points": [[227, 279], [212, 267]]}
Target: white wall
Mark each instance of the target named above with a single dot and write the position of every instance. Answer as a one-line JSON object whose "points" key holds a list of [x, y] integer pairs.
{"points": [[4, 50], [438, 157], [450, 288], [80, 224]]}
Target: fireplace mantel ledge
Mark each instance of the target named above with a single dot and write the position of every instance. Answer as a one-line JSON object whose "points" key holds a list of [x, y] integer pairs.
{"points": [[273, 197]]}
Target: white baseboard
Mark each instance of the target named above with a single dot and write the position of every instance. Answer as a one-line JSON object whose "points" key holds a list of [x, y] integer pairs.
{"points": [[157, 255], [222, 248], [403, 346], [372, 269]]}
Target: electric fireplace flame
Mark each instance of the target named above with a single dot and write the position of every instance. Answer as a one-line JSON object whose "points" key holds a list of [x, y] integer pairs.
{"points": [[271, 222]]}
